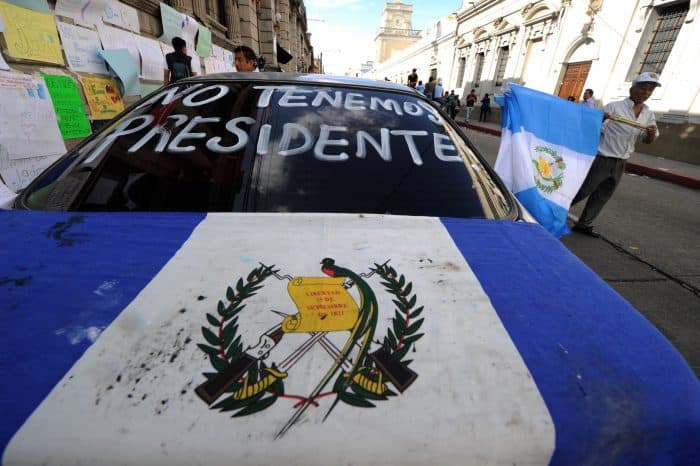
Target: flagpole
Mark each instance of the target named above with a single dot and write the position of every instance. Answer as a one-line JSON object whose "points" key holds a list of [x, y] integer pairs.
{"points": [[626, 121]]}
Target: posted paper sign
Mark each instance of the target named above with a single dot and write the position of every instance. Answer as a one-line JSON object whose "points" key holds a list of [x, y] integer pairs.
{"points": [[126, 70], [121, 15], [203, 42], [152, 59], [70, 112], [31, 35], [17, 174], [102, 95], [172, 23], [85, 12], [28, 126], [82, 49], [36, 5], [113, 38]]}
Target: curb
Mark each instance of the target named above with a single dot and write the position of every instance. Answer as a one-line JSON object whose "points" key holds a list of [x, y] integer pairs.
{"points": [[636, 168]]}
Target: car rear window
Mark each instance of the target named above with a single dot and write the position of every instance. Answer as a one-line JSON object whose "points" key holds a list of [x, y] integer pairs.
{"points": [[262, 147]]}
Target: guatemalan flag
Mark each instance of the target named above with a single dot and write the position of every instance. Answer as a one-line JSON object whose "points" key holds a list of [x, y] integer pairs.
{"points": [[492, 344], [547, 147]]}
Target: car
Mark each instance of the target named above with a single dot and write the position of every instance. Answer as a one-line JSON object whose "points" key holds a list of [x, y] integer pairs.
{"points": [[267, 268]]}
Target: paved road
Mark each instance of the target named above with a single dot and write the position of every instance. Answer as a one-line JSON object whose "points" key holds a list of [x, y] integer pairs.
{"points": [[649, 251]]}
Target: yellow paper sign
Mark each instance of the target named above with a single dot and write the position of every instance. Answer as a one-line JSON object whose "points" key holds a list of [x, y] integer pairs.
{"points": [[102, 95], [324, 306], [30, 34]]}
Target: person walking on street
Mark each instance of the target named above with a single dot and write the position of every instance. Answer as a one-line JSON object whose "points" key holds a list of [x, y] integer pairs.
{"points": [[588, 99], [245, 59], [179, 63], [437, 94], [617, 142], [413, 78], [485, 108], [429, 91], [452, 103], [471, 100]]}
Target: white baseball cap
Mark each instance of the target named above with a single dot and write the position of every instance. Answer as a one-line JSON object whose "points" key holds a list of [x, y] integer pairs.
{"points": [[647, 77]]}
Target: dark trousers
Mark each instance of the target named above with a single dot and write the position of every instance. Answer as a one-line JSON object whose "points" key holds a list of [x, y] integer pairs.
{"points": [[599, 186], [485, 112]]}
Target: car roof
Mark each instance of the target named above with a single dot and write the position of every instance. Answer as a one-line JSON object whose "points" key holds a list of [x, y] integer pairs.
{"points": [[305, 78]]}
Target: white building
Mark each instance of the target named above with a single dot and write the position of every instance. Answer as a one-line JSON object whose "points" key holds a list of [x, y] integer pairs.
{"points": [[565, 46]]}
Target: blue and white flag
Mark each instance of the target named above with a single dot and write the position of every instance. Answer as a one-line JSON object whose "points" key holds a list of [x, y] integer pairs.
{"points": [[547, 147], [184, 338]]}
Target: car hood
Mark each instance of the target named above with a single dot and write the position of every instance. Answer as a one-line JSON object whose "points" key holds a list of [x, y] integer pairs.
{"points": [[182, 338]]}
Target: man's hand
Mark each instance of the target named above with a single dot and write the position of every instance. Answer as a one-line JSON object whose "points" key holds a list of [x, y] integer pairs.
{"points": [[650, 135]]}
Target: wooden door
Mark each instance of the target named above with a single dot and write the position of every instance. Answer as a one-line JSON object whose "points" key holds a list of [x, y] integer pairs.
{"points": [[574, 80]]}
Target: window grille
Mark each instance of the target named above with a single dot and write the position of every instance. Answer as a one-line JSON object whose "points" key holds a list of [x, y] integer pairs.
{"points": [[478, 67], [503, 55], [663, 36], [460, 71]]}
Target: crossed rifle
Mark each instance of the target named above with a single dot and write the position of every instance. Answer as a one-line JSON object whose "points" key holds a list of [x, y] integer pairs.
{"points": [[398, 373]]}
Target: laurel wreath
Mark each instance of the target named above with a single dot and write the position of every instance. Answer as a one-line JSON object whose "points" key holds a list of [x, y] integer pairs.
{"points": [[400, 338], [226, 346], [556, 181]]}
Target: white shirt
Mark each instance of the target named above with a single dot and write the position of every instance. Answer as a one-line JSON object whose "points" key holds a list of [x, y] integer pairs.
{"points": [[618, 139]]}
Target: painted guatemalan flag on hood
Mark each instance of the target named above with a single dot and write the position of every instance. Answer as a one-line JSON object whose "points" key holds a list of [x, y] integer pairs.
{"points": [[547, 147]]}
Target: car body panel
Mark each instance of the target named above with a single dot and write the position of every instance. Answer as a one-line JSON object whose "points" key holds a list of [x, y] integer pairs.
{"points": [[525, 355]]}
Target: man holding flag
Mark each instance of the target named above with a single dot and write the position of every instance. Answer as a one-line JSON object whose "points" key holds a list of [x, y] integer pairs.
{"points": [[616, 145], [547, 147]]}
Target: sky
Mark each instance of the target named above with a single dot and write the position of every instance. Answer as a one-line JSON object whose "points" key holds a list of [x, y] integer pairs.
{"points": [[343, 30]]}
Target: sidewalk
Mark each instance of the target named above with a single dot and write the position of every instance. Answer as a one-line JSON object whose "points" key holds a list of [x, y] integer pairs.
{"points": [[681, 173]]}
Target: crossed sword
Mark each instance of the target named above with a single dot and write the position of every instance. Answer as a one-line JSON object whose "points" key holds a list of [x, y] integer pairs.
{"points": [[212, 389]]}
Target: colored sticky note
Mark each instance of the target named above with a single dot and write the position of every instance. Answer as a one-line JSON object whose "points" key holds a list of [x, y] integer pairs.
{"points": [[203, 42], [122, 64], [172, 23], [103, 97], [31, 35], [70, 111]]}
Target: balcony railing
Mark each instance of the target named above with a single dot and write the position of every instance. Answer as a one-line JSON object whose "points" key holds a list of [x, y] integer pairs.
{"points": [[399, 32]]}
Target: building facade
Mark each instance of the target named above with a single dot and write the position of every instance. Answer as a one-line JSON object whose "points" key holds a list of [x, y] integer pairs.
{"points": [[395, 33], [565, 46]]}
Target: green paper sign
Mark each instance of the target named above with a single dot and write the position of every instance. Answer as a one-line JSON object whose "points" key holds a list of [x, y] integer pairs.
{"points": [[68, 105], [203, 42]]}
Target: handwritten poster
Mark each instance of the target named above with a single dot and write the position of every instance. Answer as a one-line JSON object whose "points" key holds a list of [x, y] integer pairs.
{"points": [[113, 38], [196, 62], [28, 126], [190, 26], [123, 66], [172, 23], [17, 174], [85, 12], [70, 112], [31, 35], [102, 95], [82, 49], [121, 15], [152, 59], [203, 42]]}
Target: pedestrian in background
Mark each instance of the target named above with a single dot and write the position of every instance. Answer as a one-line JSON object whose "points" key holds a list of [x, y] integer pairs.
{"points": [[420, 87], [179, 63], [471, 100], [430, 88], [588, 99], [245, 59], [413, 78], [485, 108], [617, 143], [437, 94], [453, 104]]}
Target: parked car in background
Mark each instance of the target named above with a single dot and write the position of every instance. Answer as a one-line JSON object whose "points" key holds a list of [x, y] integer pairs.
{"points": [[259, 268]]}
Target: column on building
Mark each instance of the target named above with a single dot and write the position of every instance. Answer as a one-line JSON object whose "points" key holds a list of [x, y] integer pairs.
{"points": [[284, 24], [249, 23], [266, 33]]}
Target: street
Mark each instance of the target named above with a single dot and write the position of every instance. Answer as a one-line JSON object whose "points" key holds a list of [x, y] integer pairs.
{"points": [[648, 251]]}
